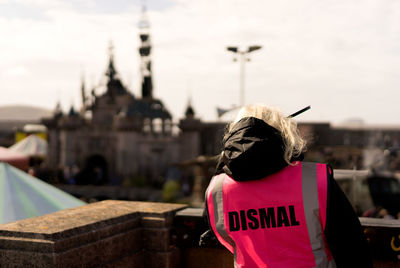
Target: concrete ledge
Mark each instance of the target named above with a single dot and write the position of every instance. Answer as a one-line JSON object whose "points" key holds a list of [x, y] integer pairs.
{"points": [[108, 233], [69, 222]]}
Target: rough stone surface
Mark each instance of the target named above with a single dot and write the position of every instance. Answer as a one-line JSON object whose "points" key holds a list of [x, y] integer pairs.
{"points": [[156, 239], [102, 251], [166, 259], [107, 234], [131, 261], [16, 258], [68, 222]]}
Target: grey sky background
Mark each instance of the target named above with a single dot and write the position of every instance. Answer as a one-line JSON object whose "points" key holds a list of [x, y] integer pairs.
{"points": [[340, 57]]}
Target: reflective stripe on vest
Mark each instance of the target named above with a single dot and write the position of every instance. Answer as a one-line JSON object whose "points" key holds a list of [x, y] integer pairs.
{"points": [[312, 212], [215, 204], [267, 227]]}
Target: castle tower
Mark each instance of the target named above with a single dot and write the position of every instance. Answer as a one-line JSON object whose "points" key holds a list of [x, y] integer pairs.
{"points": [[189, 113], [83, 96], [145, 59], [114, 85], [111, 72]]}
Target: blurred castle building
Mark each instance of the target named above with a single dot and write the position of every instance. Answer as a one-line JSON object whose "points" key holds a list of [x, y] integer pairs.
{"points": [[117, 134]]}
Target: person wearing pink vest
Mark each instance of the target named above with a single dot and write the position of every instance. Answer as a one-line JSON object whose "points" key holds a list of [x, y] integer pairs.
{"points": [[271, 210]]}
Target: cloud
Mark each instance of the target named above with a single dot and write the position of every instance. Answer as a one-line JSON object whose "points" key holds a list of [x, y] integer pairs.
{"points": [[17, 71]]}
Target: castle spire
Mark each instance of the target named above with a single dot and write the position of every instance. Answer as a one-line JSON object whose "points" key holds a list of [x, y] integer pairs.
{"points": [[83, 95], [111, 72], [189, 113], [145, 60], [58, 110]]}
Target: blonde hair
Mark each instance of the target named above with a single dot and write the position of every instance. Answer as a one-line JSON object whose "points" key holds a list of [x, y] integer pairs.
{"points": [[294, 143]]}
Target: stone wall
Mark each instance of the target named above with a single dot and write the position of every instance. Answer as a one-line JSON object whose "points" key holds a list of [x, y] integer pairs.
{"points": [[107, 234]]}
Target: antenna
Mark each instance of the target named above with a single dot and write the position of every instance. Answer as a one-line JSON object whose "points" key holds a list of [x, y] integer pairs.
{"points": [[300, 111]]}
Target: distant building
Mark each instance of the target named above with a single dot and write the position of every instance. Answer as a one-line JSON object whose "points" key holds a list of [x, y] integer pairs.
{"points": [[353, 145], [126, 135]]}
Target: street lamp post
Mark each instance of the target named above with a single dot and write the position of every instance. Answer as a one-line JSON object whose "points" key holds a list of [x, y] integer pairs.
{"points": [[242, 55]]}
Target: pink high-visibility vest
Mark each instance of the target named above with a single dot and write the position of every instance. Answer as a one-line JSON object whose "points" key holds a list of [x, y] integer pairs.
{"points": [[277, 221]]}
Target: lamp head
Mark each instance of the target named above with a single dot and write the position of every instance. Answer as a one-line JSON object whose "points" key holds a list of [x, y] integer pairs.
{"points": [[232, 49], [253, 48]]}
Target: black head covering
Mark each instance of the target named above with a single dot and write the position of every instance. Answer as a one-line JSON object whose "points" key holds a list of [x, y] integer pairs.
{"points": [[252, 150]]}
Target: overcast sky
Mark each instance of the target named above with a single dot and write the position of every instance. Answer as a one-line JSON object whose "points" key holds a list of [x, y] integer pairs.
{"points": [[342, 57]]}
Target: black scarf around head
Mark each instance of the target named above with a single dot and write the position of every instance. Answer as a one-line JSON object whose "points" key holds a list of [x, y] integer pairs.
{"points": [[252, 150]]}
